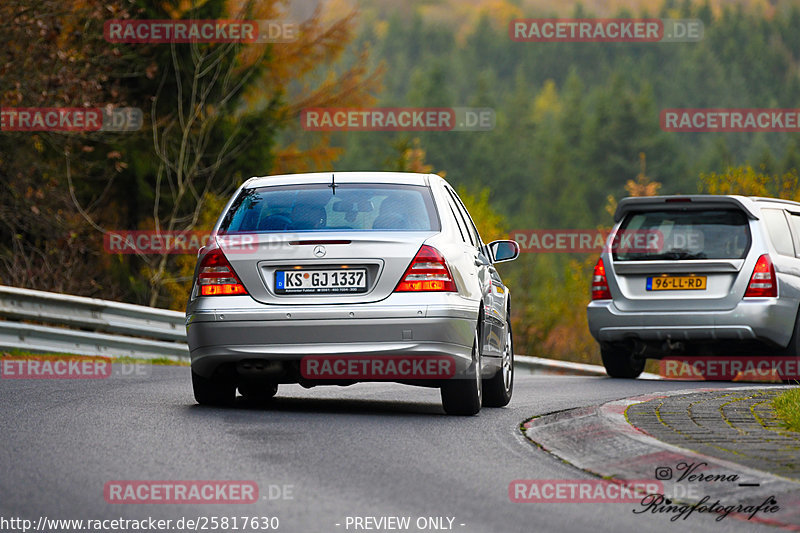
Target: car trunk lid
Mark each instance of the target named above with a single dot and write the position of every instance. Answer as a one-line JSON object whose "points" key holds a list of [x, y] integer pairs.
{"points": [[698, 263], [267, 263]]}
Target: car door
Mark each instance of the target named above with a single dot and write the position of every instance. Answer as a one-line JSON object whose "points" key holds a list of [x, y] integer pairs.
{"points": [[493, 295]]}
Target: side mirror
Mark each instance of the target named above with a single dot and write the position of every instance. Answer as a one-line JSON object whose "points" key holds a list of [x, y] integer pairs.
{"points": [[503, 251]]}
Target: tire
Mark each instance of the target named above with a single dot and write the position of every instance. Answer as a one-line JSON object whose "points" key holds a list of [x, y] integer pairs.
{"points": [[621, 363], [793, 349], [259, 392], [462, 395], [498, 389], [213, 391]]}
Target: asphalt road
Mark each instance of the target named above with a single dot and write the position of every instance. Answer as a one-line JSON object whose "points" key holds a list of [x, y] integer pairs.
{"points": [[370, 450]]}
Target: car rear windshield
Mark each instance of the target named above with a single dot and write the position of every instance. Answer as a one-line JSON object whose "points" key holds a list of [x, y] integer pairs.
{"points": [[359, 207], [685, 235]]}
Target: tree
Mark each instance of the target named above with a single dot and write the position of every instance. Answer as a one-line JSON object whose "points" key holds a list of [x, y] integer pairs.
{"points": [[52, 54], [746, 181], [213, 112]]}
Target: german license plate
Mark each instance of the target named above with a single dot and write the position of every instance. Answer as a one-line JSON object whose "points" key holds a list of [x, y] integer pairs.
{"points": [[298, 281], [677, 283]]}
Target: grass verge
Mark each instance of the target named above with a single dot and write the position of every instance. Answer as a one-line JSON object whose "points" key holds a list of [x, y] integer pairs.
{"points": [[22, 354], [787, 407]]}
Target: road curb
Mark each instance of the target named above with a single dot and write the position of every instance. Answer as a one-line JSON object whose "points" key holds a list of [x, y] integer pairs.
{"points": [[601, 441]]}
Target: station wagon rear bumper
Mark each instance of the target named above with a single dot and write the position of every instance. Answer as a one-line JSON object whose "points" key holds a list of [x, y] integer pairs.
{"points": [[762, 319]]}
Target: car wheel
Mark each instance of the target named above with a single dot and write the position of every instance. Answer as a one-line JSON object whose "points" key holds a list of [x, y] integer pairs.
{"points": [[258, 392], [621, 363], [213, 391], [497, 390], [462, 395], [793, 349]]}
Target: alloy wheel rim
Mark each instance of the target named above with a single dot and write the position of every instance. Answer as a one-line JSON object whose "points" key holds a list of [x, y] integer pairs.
{"points": [[507, 367]]}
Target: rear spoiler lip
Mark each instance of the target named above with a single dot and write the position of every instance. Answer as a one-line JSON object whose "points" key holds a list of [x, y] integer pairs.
{"points": [[629, 204]]}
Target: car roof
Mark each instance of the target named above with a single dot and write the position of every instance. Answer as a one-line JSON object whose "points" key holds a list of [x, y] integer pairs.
{"points": [[749, 204], [406, 178], [783, 203]]}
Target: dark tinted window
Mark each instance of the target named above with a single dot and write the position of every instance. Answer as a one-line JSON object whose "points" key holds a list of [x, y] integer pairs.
{"points": [[687, 235], [459, 222], [316, 208], [471, 229], [463, 226]]}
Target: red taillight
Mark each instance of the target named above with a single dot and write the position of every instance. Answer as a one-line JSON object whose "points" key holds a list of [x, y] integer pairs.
{"points": [[216, 277], [427, 272], [763, 283], [599, 282]]}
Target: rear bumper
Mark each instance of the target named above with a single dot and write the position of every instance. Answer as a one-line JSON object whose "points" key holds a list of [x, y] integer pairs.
{"points": [[760, 319], [288, 333]]}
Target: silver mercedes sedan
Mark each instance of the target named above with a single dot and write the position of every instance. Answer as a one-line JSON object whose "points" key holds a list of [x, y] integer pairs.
{"points": [[349, 277]]}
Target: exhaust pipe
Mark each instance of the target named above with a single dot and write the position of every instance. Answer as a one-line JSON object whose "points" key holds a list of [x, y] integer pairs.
{"points": [[260, 368]]}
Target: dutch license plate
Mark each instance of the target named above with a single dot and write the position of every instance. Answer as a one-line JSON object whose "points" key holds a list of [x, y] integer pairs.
{"points": [[320, 281], [677, 283]]}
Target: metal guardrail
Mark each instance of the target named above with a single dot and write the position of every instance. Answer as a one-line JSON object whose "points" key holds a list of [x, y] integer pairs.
{"points": [[552, 366], [541, 365], [98, 327]]}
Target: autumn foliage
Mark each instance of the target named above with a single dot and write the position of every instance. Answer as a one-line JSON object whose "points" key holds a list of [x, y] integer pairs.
{"points": [[215, 114]]}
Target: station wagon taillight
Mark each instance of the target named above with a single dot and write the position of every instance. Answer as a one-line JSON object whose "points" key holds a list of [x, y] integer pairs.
{"points": [[427, 272], [763, 283], [216, 277], [599, 282]]}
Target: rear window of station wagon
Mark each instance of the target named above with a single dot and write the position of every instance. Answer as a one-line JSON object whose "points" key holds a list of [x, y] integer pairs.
{"points": [[689, 235]]}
